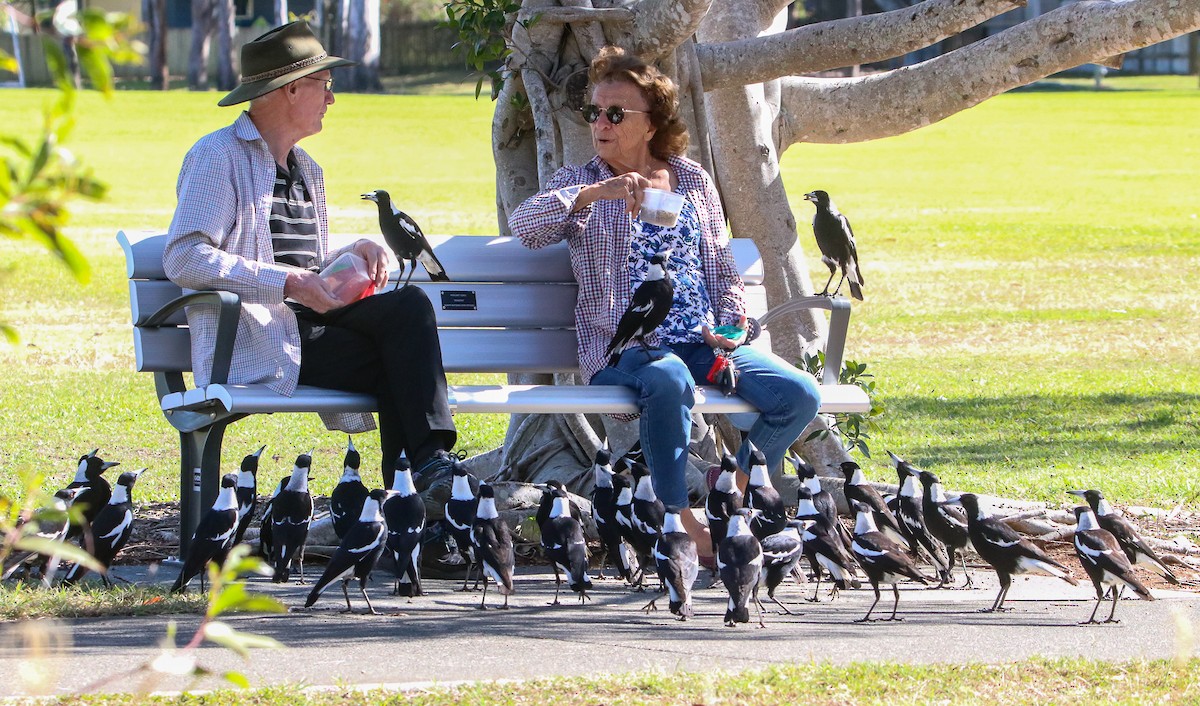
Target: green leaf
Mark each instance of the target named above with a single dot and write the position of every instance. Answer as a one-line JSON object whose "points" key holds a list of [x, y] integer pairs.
{"points": [[50, 547], [234, 597], [237, 679], [240, 642]]}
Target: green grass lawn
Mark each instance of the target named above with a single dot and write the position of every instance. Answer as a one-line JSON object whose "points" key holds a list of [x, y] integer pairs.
{"points": [[1031, 309]]}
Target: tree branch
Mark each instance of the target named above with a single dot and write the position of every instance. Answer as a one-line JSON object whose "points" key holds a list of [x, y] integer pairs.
{"points": [[661, 25], [847, 110], [831, 45]]}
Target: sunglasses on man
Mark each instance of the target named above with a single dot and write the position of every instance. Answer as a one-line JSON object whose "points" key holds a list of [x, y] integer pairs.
{"points": [[614, 113]]}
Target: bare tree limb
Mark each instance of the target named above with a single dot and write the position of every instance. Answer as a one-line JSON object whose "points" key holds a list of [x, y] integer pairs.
{"points": [[848, 110], [661, 25], [831, 45]]}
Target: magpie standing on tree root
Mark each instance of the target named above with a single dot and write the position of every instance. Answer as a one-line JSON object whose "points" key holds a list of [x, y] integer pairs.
{"points": [[564, 546], [1006, 550], [405, 238], [247, 492], [1137, 551], [740, 565], [1104, 562], [460, 514], [824, 549], [493, 545], [781, 555], [648, 307], [678, 566], [882, 560], [111, 530], [346, 500], [214, 535], [911, 514], [357, 553], [835, 239], [605, 489], [291, 515], [947, 522], [404, 512]]}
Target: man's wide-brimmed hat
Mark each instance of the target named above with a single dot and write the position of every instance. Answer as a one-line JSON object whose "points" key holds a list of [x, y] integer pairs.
{"points": [[279, 57]]}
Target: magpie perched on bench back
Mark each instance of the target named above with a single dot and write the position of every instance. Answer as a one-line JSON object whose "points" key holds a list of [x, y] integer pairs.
{"points": [[405, 238], [1135, 547], [1104, 562], [835, 239], [648, 307]]}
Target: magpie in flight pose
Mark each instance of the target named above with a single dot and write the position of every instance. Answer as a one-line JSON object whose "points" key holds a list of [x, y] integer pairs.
{"points": [[247, 492], [1104, 562], [882, 560], [346, 500], [405, 238], [357, 553], [493, 546], [835, 239], [945, 521], [214, 535], [1006, 550], [1136, 549], [648, 308], [111, 530]]}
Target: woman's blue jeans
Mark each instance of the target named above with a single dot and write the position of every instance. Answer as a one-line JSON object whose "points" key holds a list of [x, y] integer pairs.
{"points": [[786, 397]]}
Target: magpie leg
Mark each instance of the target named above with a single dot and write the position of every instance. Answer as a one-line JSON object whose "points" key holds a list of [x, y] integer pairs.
{"points": [[483, 600], [1092, 618], [1115, 597], [896, 602], [867, 618], [825, 291], [652, 605], [363, 590], [346, 594], [412, 267], [816, 590]]}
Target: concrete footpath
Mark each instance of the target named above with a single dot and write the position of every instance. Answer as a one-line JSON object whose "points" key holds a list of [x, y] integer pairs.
{"points": [[443, 638]]}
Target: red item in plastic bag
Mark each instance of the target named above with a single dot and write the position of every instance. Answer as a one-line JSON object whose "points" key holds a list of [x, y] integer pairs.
{"points": [[347, 278]]}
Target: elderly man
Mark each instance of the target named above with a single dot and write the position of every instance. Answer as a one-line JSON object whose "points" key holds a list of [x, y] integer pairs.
{"points": [[251, 220]]}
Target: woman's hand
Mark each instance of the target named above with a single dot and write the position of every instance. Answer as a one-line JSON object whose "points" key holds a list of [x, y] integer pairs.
{"points": [[628, 187], [715, 341]]}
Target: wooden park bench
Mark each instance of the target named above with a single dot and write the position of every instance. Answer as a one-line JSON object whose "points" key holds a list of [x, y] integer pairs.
{"points": [[508, 310]]}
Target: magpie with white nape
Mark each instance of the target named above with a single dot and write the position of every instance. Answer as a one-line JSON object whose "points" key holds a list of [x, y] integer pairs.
{"points": [[346, 500], [266, 542], [824, 549], [357, 553], [642, 554], [404, 513], [946, 522], [911, 514], [835, 239], [858, 488], [821, 499], [740, 565], [493, 545], [770, 514], [94, 490], [247, 492], [111, 530], [647, 512], [604, 513], [564, 546], [648, 308], [1105, 563], [1137, 551], [678, 567], [460, 514], [546, 504], [291, 515], [50, 522], [213, 537], [722, 501], [882, 560], [781, 555], [405, 238], [1005, 549]]}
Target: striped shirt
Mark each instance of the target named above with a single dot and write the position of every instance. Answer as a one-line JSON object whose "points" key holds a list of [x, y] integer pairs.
{"points": [[294, 232], [600, 237]]}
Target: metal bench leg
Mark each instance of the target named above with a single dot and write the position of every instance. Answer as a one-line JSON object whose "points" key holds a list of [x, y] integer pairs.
{"points": [[199, 477]]}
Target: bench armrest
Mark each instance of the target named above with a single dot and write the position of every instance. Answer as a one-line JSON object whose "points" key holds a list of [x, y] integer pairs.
{"points": [[839, 327], [230, 308]]}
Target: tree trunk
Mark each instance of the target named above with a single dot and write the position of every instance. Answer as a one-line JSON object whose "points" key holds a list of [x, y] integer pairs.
{"points": [[363, 46]]}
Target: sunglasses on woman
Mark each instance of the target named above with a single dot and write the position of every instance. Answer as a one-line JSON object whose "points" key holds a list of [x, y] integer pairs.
{"points": [[615, 113]]}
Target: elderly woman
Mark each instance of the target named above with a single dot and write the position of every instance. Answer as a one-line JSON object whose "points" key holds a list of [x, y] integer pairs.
{"points": [[640, 143]]}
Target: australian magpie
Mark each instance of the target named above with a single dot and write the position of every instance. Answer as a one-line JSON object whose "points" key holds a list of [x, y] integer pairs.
{"points": [[781, 555], [642, 554], [546, 504], [947, 522], [821, 499], [291, 515], [648, 307], [460, 514], [835, 239], [678, 566], [1005, 549], [265, 543], [646, 512], [1105, 562], [94, 491], [357, 553], [771, 515], [493, 545], [49, 522], [112, 528], [722, 501], [740, 565], [404, 513], [346, 500], [604, 513], [247, 492], [911, 515], [824, 548], [564, 546], [405, 238], [882, 560], [858, 488], [1137, 551], [214, 535]]}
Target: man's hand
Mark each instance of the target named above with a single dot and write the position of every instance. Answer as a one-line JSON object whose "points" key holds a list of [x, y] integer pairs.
{"points": [[309, 289], [378, 262]]}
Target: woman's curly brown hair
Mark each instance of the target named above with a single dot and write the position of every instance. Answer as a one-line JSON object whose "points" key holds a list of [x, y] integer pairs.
{"points": [[670, 133]]}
